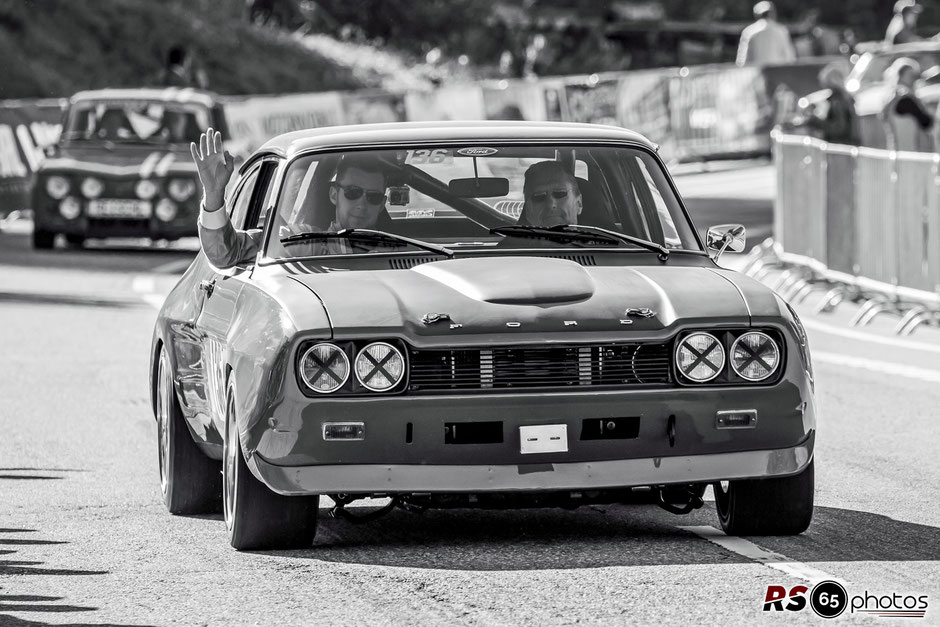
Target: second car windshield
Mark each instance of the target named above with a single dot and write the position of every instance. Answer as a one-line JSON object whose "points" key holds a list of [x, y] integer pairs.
{"points": [[463, 196], [135, 121]]}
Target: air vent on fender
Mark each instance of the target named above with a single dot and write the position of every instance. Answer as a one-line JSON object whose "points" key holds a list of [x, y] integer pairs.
{"points": [[404, 263]]}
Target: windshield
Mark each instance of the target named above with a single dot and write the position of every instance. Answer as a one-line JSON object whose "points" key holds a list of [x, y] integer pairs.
{"points": [[136, 121], [482, 196]]}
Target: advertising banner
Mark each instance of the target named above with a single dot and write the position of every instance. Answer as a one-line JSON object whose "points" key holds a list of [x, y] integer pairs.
{"points": [[515, 100], [593, 100], [373, 107], [26, 129], [453, 102], [257, 119], [643, 106]]}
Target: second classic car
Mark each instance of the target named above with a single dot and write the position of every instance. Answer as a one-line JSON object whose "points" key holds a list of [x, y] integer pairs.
{"points": [[531, 321]]}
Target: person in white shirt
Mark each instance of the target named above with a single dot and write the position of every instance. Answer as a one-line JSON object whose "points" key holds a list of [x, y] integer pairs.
{"points": [[766, 41]]}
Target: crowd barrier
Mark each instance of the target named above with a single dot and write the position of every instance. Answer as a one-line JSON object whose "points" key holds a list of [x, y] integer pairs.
{"points": [[862, 221], [693, 113]]}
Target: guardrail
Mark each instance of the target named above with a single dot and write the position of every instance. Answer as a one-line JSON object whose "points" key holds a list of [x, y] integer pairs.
{"points": [[862, 222]]}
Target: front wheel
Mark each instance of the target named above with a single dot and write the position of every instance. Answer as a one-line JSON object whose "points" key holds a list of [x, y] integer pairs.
{"points": [[256, 517], [766, 507], [43, 239], [74, 241], [189, 480]]}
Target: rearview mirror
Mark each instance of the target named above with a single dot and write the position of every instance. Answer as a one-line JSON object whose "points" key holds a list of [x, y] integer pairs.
{"points": [[724, 237], [487, 187]]}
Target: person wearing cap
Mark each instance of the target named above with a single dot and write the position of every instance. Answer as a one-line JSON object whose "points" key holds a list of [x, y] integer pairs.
{"points": [[901, 28], [766, 41], [906, 121]]}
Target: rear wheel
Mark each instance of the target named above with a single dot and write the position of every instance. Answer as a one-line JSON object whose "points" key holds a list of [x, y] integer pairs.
{"points": [[190, 481], [766, 507], [256, 517], [43, 239]]}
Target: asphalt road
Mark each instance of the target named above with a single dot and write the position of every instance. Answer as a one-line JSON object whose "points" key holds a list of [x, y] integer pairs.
{"points": [[85, 539]]}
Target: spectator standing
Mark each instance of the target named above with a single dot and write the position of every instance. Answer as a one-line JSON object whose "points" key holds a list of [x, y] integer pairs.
{"points": [[901, 28], [182, 70], [907, 124], [838, 123], [765, 41]]}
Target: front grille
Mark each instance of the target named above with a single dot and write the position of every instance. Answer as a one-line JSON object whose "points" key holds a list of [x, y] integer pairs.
{"points": [[554, 369]]}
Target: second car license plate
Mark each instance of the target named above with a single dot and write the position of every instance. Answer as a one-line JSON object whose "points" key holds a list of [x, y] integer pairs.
{"points": [[543, 439], [118, 208]]}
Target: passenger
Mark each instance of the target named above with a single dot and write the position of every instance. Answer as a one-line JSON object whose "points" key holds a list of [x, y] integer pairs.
{"points": [[906, 121], [552, 196], [358, 194]]}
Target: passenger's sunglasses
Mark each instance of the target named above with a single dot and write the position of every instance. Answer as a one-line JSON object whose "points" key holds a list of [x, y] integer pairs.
{"points": [[542, 196], [354, 192]]}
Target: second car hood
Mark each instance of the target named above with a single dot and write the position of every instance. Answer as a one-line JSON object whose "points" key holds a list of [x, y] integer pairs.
{"points": [[140, 160], [519, 296]]}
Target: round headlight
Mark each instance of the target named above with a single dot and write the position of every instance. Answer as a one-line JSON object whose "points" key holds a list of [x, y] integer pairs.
{"points": [[181, 189], [324, 368], [754, 356], [379, 367], [70, 208], [700, 357], [166, 209], [92, 187], [57, 186], [145, 189]]}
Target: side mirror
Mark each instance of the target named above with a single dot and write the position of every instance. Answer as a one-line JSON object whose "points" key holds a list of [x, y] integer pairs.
{"points": [[724, 237]]}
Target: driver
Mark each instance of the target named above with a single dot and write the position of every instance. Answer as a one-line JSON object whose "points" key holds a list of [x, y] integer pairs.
{"points": [[357, 192], [552, 196]]}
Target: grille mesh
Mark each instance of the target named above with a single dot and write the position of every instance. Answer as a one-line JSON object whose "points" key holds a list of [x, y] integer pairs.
{"points": [[559, 369]]}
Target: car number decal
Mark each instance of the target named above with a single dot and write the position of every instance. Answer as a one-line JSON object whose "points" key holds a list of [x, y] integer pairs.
{"points": [[422, 156]]}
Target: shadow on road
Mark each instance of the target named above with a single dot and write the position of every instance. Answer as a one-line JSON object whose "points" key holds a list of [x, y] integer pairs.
{"points": [[598, 537]]}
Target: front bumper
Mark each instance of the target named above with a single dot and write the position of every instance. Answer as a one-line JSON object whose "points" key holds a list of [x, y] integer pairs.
{"points": [[621, 473]]}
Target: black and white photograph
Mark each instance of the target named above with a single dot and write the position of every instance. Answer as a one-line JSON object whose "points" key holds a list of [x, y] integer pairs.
{"points": [[469, 312]]}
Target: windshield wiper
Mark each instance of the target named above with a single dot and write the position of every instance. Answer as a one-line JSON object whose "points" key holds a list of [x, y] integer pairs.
{"points": [[629, 239], [367, 235], [524, 230]]}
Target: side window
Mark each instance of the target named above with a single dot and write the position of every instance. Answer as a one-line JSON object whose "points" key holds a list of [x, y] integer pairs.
{"points": [[265, 195], [242, 198]]}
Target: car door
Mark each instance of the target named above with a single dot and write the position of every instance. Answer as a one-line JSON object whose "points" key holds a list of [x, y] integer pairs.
{"points": [[220, 291]]}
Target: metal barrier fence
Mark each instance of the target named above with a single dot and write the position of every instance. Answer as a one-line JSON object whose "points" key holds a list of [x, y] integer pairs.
{"points": [[863, 221]]}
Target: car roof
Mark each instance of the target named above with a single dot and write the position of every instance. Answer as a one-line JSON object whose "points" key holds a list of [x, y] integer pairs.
{"points": [[361, 135], [165, 94]]}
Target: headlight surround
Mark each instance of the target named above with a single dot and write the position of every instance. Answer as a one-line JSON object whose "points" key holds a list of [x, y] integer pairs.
{"points": [[324, 368], [181, 189], [92, 187], [145, 189], [57, 187], [380, 367], [700, 357], [755, 356], [166, 209], [70, 208]]}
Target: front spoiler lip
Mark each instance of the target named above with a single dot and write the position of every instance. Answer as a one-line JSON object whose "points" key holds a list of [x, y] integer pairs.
{"points": [[544, 476]]}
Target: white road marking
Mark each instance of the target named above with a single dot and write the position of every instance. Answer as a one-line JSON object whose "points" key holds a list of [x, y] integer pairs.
{"points": [[868, 337], [877, 365], [753, 552]]}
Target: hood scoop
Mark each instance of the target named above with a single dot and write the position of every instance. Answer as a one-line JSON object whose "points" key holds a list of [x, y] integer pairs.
{"points": [[513, 280]]}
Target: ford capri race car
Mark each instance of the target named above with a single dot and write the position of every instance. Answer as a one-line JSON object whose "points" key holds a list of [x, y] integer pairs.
{"points": [[462, 353], [122, 167]]}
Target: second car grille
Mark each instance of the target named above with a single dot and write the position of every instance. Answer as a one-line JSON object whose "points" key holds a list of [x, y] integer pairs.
{"points": [[558, 369]]}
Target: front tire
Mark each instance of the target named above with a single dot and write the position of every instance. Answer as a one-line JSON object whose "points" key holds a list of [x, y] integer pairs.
{"points": [[190, 481], [766, 507], [75, 241], [43, 239], [255, 516]]}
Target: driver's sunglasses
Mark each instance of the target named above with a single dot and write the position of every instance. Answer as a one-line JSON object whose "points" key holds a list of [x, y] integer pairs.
{"points": [[556, 193], [354, 192]]}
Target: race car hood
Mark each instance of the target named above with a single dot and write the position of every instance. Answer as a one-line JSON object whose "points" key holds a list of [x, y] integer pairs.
{"points": [[527, 296], [121, 160]]}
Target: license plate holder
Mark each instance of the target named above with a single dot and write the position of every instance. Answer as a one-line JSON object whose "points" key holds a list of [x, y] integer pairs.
{"points": [[543, 439], [119, 208]]}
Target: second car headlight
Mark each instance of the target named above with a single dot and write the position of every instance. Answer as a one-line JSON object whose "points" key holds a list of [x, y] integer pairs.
{"points": [[754, 356], [324, 367], [180, 189], [57, 187], [92, 187], [380, 367], [700, 357], [145, 189]]}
